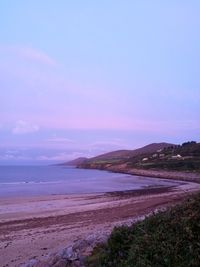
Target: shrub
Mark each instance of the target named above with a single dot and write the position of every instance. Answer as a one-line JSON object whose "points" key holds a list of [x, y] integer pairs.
{"points": [[166, 239]]}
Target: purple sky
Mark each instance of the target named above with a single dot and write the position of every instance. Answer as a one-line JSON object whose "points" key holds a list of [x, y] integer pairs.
{"points": [[79, 78]]}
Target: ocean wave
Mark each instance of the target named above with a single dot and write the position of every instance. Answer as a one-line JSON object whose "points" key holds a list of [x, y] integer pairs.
{"points": [[32, 182]]}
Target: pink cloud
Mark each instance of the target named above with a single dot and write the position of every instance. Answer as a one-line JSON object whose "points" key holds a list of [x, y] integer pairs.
{"points": [[24, 127], [63, 156], [27, 53], [59, 140]]}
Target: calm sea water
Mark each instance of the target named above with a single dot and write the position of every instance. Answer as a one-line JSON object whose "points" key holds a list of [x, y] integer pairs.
{"points": [[47, 180]]}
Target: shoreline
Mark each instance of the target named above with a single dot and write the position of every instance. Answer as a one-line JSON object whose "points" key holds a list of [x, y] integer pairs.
{"points": [[161, 174], [40, 226]]}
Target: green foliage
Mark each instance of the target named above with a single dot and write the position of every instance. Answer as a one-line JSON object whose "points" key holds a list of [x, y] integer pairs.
{"points": [[166, 239], [173, 165], [186, 149], [189, 160], [165, 159]]}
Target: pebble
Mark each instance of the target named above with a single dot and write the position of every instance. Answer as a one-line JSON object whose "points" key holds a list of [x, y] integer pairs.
{"points": [[73, 255]]}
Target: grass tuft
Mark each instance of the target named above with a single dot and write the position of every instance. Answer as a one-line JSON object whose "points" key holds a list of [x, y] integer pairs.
{"points": [[166, 239]]}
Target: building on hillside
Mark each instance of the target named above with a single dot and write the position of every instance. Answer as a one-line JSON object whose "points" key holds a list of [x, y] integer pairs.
{"points": [[178, 156]]}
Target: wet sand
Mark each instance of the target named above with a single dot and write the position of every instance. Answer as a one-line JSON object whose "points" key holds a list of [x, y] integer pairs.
{"points": [[33, 227]]}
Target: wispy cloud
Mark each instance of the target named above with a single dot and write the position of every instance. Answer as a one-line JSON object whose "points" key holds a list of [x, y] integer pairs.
{"points": [[24, 127], [36, 55], [60, 140], [28, 53], [63, 156], [14, 157]]}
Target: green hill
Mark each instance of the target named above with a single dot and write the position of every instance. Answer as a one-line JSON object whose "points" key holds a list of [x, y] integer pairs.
{"points": [[121, 156], [157, 156], [185, 157]]}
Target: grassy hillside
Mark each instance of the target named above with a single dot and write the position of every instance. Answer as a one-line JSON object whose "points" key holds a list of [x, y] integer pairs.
{"points": [[126, 154], [121, 156], [185, 157], [162, 156], [167, 239]]}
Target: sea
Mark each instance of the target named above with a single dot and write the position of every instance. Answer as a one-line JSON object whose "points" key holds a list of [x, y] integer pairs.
{"points": [[26, 181]]}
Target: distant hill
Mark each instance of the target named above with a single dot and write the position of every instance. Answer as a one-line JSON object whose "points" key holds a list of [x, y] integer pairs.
{"points": [[74, 162], [156, 156], [117, 155], [126, 154]]}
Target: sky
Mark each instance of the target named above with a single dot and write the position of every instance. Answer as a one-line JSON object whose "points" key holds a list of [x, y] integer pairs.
{"points": [[80, 78]]}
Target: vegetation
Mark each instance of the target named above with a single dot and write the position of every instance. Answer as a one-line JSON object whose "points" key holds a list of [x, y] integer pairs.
{"points": [[166, 239], [185, 157]]}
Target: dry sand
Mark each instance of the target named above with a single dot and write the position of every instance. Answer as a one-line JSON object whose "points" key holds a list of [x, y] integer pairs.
{"points": [[36, 226]]}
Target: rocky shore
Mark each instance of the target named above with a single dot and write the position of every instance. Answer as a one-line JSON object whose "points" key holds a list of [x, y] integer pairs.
{"points": [[122, 168]]}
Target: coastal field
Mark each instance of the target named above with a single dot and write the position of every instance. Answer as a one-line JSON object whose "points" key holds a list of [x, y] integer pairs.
{"points": [[34, 227]]}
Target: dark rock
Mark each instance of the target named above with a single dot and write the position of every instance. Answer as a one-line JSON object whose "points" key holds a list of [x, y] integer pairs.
{"points": [[31, 263], [42, 264], [76, 263], [60, 263], [53, 259], [71, 256], [68, 254]]}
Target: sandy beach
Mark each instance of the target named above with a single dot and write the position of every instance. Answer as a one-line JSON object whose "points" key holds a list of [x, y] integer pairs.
{"points": [[33, 227]]}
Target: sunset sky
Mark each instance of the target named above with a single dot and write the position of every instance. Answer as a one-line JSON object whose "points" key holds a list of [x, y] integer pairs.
{"points": [[80, 78]]}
